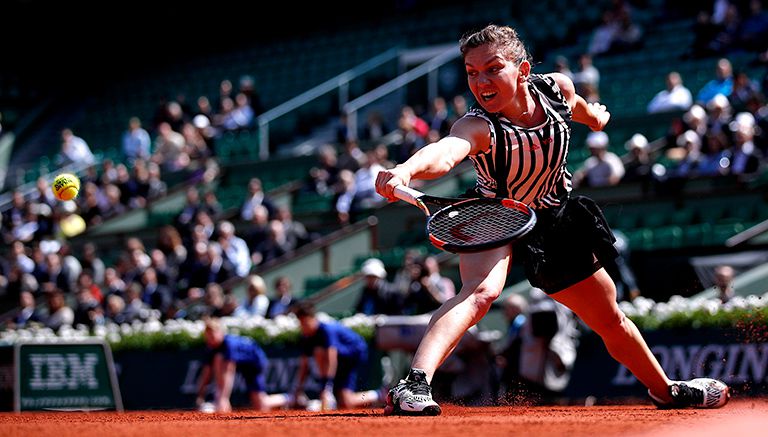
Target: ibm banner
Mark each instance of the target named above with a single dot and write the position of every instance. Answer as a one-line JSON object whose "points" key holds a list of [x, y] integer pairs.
{"points": [[65, 376]]}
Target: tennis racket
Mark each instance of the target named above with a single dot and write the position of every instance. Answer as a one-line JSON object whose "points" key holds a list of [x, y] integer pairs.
{"points": [[470, 225]]}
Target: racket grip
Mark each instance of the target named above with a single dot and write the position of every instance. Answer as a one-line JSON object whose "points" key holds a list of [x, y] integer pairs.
{"points": [[407, 194]]}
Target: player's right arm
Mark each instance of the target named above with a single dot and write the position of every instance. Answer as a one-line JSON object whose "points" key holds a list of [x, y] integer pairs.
{"points": [[468, 135], [301, 377], [593, 115]]}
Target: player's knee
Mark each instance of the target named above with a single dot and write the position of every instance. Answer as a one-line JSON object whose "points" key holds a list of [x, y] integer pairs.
{"points": [[484, 296]]}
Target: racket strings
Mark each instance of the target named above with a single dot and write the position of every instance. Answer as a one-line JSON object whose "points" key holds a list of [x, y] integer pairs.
{"points": [[476, 223]]}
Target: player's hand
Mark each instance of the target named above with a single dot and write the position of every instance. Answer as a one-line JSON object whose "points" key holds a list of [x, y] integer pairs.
{"points": [[387, 180], [600, 116], [223, 406], [327, 400]]}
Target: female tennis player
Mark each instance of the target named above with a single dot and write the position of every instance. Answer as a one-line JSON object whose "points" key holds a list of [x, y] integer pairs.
{"points": [[518, 139]]}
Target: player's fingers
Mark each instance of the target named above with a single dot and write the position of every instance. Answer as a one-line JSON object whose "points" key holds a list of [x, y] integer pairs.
{"points": [[383, 185]]}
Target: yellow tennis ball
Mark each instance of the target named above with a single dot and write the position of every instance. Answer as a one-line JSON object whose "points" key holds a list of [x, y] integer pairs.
{"points": [[66, 186]]}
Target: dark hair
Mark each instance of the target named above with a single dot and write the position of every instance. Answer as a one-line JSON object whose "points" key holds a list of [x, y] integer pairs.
{"points": [[503, 38], [303, 309]]}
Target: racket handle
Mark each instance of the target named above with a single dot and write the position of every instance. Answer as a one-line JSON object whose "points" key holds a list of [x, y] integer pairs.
{"points": [[407, 194]]}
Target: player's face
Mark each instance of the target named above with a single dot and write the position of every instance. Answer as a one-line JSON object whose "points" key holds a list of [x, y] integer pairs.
{"points": [[308, 326], [493, 79]]}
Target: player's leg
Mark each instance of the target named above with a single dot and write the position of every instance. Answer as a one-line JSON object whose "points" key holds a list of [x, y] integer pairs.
{"points": [[594, 301], [483, 276], [262, 401], [345, 384], [256, 383]]}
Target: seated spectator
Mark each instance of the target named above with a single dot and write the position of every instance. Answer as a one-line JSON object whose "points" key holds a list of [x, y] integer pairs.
{"points": [[719, 113], [603, 168], [438, 117], [685, 157], [88, 311], [602, 37], [343, 200], [676, 97], [274, 246], [724, 283], [423, 295], [323, 176], [365, 183], [378, 295], [352, 158], [136, 141], [563, 66], [256, 301], [203, 266], [283, 301], [170, 149], [242, 113], [444, 284], [586, 76], [74, 149], [118, 312], [234, 249], [27, 312], [155, 295], [716, 159], [59, 313], [413, 133], [256, 196], [638, 164], [721, 84], [214, 300], [746, 159], [745, 91], [296, 233], [375, 127]]}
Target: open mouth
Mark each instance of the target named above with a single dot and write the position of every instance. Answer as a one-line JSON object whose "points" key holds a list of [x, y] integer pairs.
{"points": [[487, 96]]}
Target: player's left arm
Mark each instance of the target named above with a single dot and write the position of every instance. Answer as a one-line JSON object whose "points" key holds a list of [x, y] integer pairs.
{"points": [[593, 115], [228, 378], [332, 364], [205, 378]]}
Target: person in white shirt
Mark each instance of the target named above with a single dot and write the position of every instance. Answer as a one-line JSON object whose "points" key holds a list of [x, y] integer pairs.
{"points": [[234, 249], [603, 168], [675, 97], [75, 149], [136, 141]]}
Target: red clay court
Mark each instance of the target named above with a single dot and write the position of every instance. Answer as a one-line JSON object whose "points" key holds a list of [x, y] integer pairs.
{"points": [[741, 417]]}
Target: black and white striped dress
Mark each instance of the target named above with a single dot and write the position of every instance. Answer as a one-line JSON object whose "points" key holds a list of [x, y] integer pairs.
{"points": [[527, 164]]}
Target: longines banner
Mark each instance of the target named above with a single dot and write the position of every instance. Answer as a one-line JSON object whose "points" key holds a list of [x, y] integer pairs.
{"points": [[739, 358]]}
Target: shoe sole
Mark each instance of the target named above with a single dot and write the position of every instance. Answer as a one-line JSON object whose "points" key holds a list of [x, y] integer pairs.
{"points": [[432, 410]]}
